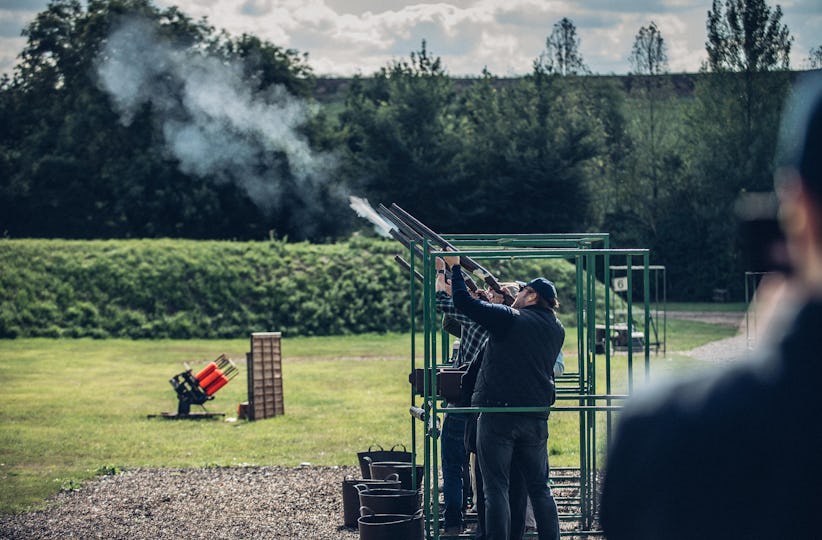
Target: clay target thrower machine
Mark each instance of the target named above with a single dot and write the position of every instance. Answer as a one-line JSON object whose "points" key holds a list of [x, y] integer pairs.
{"points": [[197, 389]]}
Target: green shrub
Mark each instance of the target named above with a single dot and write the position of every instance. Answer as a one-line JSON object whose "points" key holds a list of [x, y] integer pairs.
{"points": [[206, 289]]}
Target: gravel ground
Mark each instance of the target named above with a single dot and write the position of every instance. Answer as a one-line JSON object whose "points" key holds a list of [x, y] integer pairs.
{"points": [[726, 318], [236, 502], [213, 503], [723, 350]]}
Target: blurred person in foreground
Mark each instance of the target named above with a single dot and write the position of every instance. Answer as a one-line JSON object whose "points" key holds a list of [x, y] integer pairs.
{"points": [[734, 454]]}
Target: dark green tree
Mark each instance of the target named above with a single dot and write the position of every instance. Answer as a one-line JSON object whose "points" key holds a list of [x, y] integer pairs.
{"points": [[639, 197], [747, 42], [815, 58], [83, 161], [747, 36], [402, 137], [528, 152], [729, 137], [265, 65], [562, 54], [748, 54], [482, 162], [649, 55]]}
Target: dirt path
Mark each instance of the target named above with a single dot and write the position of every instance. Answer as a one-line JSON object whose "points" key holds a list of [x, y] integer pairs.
{"points": [[726, 318], [723, 350]]}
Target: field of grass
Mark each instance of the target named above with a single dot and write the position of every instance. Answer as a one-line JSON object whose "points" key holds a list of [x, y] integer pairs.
{"points": [[706, 307], [75, 408]]}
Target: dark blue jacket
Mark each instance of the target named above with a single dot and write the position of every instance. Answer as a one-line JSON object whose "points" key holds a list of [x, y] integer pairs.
{"points": [[728, 455], [517, 367]]}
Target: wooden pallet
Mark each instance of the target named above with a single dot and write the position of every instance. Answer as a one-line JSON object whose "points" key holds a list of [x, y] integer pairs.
{"points": [[265, 376]]}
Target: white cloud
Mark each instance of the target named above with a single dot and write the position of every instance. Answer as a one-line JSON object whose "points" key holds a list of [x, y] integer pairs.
{"points": [[344, 37], [9, 49]]}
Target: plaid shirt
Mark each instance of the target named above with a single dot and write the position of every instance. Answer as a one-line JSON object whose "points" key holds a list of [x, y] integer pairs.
{"points": [[473, 338]]}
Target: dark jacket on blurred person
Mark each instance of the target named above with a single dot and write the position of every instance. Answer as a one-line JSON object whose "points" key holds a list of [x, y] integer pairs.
{"points": [[736, 455]]}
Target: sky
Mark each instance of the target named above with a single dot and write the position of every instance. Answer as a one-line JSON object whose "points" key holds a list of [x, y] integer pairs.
{"points": [[349, 37]]}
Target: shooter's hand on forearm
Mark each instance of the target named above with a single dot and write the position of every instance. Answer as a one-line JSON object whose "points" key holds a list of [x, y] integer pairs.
{"points": [[481, 294], [451, 260], [441, 284]]}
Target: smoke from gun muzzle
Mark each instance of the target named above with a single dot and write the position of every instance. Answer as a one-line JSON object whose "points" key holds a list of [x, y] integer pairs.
{"points": [[761, 236], [214, 122]]}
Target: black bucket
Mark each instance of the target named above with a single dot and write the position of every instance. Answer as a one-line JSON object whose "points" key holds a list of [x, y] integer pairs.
{"points": [[390, 526], [381, 469], [351, 498], [380, 454], [389, 501]]}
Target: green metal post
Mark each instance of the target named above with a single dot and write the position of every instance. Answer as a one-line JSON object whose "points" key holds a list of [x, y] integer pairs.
{"points": [[426, 385], [608, 388], [646, 277], [630, 323], [592, 490], [413, 318], [664, 313], [583, 370]]}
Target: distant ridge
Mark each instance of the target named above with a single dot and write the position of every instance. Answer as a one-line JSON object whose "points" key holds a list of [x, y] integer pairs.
{"points": [[334, 89]]}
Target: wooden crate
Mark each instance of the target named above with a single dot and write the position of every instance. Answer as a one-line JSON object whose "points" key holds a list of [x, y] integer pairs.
{"points": [[265, 376]]}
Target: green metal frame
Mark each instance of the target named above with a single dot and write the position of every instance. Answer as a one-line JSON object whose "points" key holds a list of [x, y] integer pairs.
{"points": [[576, 390], [659, 300]]}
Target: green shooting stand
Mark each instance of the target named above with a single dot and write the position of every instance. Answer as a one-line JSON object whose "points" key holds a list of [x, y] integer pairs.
{"points": [[592, 388]]}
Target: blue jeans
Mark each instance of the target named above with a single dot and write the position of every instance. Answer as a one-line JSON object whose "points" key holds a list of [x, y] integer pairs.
{"points": [[454, 463], [504, 439]]}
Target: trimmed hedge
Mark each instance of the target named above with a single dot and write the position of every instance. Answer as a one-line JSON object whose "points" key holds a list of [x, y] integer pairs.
{"points": [[208, 289]]}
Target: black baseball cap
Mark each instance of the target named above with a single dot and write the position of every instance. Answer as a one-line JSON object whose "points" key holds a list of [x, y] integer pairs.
{"points": [[544, 288]]}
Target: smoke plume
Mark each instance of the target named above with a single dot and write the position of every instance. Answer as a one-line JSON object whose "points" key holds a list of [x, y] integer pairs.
{"points": [[212, 121], [364, 210]]}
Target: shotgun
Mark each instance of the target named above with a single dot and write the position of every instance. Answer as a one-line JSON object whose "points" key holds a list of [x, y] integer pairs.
{"points": [[404, 264], [409, 238], [404, 220]]}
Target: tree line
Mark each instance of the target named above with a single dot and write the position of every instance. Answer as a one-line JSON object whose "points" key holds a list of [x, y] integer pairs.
{"points": [[124, 120]]}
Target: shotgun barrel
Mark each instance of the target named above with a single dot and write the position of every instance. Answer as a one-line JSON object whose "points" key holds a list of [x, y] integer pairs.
{"points": [[401, 225], [409, 221], [409, 238], [404, 264]]}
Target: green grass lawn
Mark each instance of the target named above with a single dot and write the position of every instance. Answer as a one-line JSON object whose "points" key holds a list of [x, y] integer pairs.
{"points": [[715, 306], [75, 408]]}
